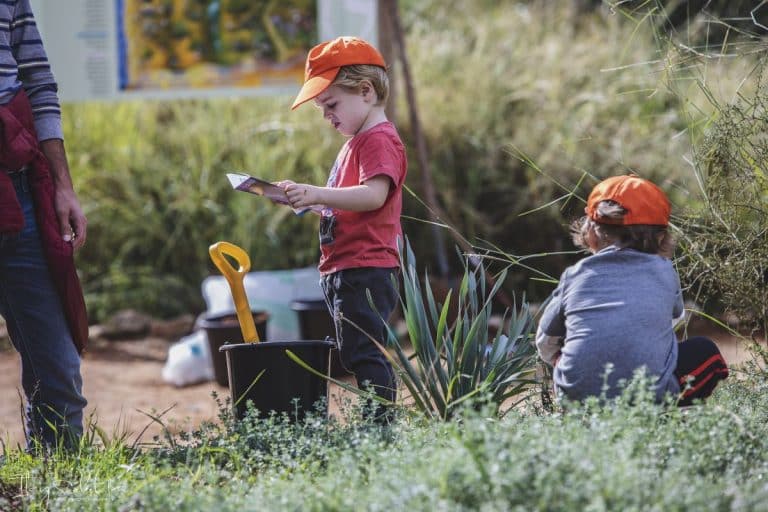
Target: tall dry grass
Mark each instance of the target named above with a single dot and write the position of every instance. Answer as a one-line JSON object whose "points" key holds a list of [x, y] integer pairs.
{"points": [[152, 178], [525, 105]]}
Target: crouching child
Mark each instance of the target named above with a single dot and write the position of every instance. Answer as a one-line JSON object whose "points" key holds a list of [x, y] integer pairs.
{"points": [[617, 308]]}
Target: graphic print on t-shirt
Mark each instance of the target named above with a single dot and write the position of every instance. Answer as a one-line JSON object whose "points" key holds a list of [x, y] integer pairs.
{"points": [[327, 217]]}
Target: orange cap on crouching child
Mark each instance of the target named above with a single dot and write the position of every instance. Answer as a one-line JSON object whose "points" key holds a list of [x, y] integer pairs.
{"points": [[645, 202], [325, 60]]}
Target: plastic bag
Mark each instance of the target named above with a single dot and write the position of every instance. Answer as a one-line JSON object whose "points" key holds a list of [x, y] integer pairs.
{"points": [[189, 361]]}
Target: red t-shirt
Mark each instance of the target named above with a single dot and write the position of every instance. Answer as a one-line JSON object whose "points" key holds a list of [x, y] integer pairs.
{"points": [[366, 239]]}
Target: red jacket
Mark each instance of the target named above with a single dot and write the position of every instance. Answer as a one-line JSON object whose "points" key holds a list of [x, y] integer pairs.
{"points": [[19, 147]]}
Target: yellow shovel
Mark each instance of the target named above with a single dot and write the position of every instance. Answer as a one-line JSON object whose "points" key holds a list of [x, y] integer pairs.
{"points": [[235, 279]]}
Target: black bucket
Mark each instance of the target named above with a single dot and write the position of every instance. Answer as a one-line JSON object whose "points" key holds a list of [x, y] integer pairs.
{"points": [[316, 323], [225, 328], [264, 374]]}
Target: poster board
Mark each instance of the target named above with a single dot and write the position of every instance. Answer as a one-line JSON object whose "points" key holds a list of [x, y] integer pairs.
{"points": [[123, 49]]}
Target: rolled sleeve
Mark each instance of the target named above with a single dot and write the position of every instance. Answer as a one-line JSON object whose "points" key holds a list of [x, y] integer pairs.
{"points": [[49, 127]]}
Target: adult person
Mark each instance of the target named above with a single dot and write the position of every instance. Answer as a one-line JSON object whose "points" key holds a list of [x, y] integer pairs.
{"points": [[41, 225]]}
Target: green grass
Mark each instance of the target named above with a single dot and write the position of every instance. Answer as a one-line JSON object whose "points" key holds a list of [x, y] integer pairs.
{"points": [[622, 457]]}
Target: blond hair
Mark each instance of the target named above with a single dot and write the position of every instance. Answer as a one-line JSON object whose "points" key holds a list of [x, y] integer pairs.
{"points": [[351, 78], [641, 237]]}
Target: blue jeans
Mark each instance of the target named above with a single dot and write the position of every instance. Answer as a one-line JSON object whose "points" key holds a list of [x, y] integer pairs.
{"points": [[50, 364], [345, 293]]}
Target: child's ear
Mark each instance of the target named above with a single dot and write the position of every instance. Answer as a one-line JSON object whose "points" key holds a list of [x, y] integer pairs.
{"points": [[367, 91]]}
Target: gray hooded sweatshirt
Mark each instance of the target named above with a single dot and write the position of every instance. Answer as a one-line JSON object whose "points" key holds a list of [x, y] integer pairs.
{"points": [[616, 307]]}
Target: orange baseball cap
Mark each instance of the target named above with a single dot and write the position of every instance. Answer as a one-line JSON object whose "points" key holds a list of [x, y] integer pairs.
{"points": [[325, 60], [645, 202]]}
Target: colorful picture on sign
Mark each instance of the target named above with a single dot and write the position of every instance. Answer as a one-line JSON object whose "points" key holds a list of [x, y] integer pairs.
{"points": [[169, 44]]}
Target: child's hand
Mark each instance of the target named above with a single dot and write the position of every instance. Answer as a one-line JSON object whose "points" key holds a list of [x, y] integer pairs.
{"points": [[301, 195], [282, 184]]}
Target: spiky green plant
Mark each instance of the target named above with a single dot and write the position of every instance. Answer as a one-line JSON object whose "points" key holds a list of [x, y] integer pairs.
{"points": [[445, 364], [460, 359]]}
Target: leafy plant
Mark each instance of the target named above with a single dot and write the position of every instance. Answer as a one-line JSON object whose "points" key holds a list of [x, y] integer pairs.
{"points": [[449, 360], [453, 360], [724, 220], [724, 242], [156, 195], [627, 456]]}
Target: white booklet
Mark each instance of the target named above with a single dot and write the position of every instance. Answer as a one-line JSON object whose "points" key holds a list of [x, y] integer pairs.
{"points": [[246, 183], [259, 187]]}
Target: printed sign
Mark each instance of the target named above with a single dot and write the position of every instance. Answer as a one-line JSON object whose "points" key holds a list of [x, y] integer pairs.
{"points": [[108, 49]]}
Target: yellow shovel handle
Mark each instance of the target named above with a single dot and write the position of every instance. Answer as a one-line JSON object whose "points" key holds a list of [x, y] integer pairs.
{"points": [[235, 279]]}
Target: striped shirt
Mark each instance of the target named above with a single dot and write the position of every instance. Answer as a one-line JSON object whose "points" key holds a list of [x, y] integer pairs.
{"points": [[23, 63]]}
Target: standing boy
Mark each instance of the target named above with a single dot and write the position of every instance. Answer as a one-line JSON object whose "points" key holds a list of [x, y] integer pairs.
{"points": [[618, 306], [361, 203], [41, 224]]}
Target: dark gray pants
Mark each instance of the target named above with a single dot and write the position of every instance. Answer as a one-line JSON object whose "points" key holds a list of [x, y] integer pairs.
{"points": [[355, 320]]}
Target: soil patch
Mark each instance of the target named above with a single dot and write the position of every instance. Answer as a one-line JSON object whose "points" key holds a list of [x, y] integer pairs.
{"points": [[124, 388]]}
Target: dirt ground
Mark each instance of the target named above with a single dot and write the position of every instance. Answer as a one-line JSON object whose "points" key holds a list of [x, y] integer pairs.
{"points": [[123, 385]]}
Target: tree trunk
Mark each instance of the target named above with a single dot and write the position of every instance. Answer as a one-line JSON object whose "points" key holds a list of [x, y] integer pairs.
{"points": [[427, 186], [437, 216]]}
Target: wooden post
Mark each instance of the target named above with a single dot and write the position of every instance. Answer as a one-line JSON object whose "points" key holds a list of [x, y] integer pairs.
{"points": [[427, 186], [385, 46]]}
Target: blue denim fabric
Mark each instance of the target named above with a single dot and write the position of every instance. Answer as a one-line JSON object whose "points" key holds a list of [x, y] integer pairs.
{"points": [[345, 293], [50, 364]]}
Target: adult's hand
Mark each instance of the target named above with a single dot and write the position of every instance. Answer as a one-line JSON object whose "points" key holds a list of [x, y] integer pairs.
{"points": [[73, 224]]}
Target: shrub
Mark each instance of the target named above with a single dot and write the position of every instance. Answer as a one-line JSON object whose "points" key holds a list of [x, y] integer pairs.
{"points": [[523, 103], [726, 255], [633, 455], [724, 221], [456, 356], [152, 179]]}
